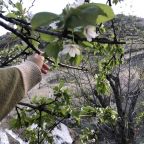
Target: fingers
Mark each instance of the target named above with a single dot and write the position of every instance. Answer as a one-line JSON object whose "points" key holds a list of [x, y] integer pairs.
{"points": [[44, 69], [39, 60], [45, 66]]}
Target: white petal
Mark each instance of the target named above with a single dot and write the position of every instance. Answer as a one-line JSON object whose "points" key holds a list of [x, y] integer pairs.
{"points": [[77, 51], [92, 28], [72, 52], [66, 46], [85, 33], [92, 34], [65, 51], [71, 49], [89, 38]]}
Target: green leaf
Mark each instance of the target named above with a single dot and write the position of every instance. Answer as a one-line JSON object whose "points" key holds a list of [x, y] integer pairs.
{"points": [[46, 37], [19, 6], [87, 44], [75, 113], [53, 49], [43, 19], [35, 43], [12, 15], [78, 59], [15, 123], [88, 14], [88, 109], [64, 110]]}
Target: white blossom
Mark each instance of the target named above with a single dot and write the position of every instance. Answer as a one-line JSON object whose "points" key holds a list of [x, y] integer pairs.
{"points": [[71, 49], [90, 32]]}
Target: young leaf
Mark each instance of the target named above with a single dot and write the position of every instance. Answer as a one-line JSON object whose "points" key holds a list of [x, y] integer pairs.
{"points": [[78, 59], [53, 49], [43, 19], [19, 6], [12, 15], [87, 44], [88, 14], [46, 37]]}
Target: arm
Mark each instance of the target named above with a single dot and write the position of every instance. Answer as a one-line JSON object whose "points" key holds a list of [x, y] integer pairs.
{"points": [[16, 81]]}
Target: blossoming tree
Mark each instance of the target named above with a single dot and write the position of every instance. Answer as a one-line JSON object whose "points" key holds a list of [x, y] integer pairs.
{"points": [[68, 40]]}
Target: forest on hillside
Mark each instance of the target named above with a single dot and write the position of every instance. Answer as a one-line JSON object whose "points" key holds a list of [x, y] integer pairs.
{"points": [[95, 84]]}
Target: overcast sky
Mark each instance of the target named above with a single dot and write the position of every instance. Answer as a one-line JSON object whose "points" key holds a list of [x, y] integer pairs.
{"points": [[128, 7]]}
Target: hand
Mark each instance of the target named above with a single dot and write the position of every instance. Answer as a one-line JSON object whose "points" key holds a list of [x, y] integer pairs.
{"points": [[38, 59]]}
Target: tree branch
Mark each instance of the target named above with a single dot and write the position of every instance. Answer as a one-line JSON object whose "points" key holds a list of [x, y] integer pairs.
{"points": [[58, 34], [40, 108]]}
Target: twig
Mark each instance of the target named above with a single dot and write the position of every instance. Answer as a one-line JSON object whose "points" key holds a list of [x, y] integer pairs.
{"points": [[17, 33], [17, 56], [31, 5], [40, 108], [18, 114]]}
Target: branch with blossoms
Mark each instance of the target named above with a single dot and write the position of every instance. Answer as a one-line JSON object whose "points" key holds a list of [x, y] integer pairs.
{"points": [[89, 32], [71, 49], [26, 40]]}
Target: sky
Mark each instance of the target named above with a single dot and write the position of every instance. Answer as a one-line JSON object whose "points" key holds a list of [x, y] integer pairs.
{"points": [[127, 7]]}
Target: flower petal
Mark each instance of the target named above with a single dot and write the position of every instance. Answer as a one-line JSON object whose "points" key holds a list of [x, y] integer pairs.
{"points": [[92, 34], [77, 51], [65, 51], [72, 52], [89, 38], [71, 49]]}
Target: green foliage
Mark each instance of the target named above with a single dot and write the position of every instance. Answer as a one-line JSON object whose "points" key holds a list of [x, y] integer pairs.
{"points": [[88, 135], [46, 37], [140, 116], [105, 115], [19, 6], [76, 60], [53, 48], [43, 118], [102, 84], [20, 11], [88, 14], [87, 44], [12, 15], [43, 19]]}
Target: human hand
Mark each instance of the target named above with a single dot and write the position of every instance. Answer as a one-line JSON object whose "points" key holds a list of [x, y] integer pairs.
{"points": [[38, 59]]}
